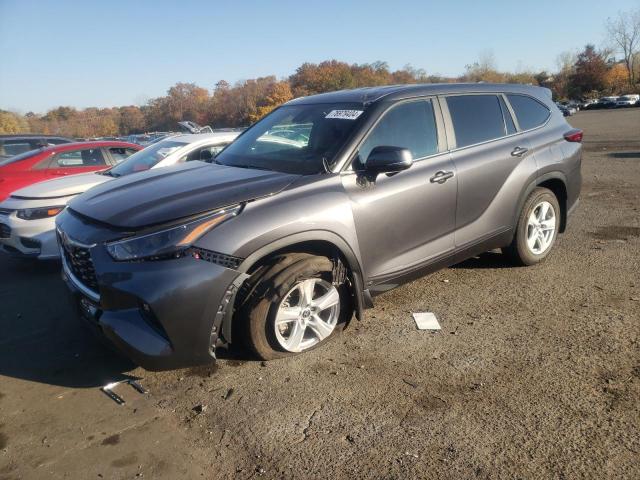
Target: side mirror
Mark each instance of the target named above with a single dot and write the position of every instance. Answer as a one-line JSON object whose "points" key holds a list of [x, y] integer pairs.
{"points": [[385, 159]]}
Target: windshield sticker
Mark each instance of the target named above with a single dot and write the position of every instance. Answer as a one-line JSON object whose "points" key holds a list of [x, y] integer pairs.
{"points": [[344, 114]]}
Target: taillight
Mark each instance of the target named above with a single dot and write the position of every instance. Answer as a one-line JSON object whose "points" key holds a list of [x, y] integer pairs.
{"points": [[574, 135]]}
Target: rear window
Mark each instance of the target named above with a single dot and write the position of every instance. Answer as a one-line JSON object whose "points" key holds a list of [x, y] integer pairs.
{"points": [[529, 112], [16, 147], [476, 118], [17, 158]]}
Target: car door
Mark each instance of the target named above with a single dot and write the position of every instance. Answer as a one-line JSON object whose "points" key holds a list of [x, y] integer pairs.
{"points": [[405, 220], [486, 150], [70, 162]]}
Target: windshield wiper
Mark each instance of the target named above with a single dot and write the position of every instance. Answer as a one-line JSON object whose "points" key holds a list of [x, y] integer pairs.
{"points": [[109, 173], [252, 167]]}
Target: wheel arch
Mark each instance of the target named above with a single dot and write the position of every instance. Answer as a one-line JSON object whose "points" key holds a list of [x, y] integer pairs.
{"points": [[314, 242], [555, 181]]}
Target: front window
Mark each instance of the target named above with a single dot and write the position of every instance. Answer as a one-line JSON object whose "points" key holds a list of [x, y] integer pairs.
{"points": [[299, 139], [146, 159]]}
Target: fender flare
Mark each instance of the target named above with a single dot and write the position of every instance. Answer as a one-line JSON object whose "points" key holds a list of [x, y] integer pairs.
{"points": [[553, 175], [362, 297]]}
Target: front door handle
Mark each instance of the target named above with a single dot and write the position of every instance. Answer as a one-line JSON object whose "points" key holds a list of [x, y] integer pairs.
{"points": [[441, 177], [519, 151]]}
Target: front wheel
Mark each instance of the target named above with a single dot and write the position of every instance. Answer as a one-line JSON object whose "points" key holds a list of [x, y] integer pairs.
{"points": [[537, 228], [292, 306]]}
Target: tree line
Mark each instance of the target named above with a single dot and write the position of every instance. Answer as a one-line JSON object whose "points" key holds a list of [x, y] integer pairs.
{"points": [[590, 73]]}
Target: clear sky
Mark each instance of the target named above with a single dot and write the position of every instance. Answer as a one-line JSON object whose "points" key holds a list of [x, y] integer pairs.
{"points": [[120, 52]]}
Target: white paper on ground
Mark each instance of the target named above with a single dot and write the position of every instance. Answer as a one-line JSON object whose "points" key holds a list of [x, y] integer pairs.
{"points": [[426, 321]]}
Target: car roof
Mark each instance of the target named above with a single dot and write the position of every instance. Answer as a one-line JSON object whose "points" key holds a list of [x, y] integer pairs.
{"points": [[368, 95], [95, 144]]}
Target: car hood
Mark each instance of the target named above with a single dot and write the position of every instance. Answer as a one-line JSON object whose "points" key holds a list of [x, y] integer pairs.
{"points": [[62, 187], [165, 194]]}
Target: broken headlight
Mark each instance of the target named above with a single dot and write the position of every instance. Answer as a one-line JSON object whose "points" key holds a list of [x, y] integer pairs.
{"points": [[169, 242]]}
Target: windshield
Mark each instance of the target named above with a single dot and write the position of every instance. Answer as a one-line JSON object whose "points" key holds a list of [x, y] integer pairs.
{"points": [[300, 139], [17, 158], [145, 159]]}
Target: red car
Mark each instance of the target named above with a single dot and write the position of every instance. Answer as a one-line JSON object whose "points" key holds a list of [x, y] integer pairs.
{"points": [[65, 159]]}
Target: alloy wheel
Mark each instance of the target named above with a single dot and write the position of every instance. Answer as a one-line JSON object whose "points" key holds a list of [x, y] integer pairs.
{"points": [[307, 315]]}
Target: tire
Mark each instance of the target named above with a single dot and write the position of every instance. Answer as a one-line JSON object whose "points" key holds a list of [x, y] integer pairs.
{"points": [[275, 292], [533, 243]]}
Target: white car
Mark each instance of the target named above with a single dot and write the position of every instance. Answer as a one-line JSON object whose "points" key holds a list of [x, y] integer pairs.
{"points": [[627, 100], [27, 217]]}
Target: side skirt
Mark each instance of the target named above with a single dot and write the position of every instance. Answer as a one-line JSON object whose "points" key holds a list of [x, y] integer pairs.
{"points": [[384, 283]]}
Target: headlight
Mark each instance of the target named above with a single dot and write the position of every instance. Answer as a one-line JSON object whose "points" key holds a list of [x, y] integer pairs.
{"points": [[171, 241], [39, 213]]}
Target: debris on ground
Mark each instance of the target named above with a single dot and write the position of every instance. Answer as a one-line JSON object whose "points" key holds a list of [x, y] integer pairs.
{"points": [[426, 321], [108, 390], [199, 409]]}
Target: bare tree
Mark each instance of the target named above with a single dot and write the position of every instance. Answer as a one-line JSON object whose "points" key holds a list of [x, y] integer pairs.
{"points": [[624, 33]]}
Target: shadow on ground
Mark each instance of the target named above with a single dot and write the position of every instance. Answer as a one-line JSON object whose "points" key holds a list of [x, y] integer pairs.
{"points": [[486, 260], [625, 155], [41, 338]]}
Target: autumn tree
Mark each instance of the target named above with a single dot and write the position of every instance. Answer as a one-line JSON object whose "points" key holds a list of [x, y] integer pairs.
{"points": [[624, 35], [12, 123], [277, 94], [483, 70], [616, 78], [589, 73]]}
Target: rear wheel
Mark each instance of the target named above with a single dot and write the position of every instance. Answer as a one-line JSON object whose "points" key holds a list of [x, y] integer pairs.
{"points": [[537, 228], [292, 305]]}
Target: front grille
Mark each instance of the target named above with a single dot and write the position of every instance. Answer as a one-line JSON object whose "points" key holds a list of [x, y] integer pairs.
{"points": [[80, 263], [6, 211], [5, 231]]}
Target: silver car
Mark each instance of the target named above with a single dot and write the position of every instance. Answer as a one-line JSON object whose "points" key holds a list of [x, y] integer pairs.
{"points": [[324, 203], [27, 217]]}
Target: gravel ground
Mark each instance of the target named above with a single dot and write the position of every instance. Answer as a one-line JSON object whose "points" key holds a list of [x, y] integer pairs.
{"points": [[535, 374]]}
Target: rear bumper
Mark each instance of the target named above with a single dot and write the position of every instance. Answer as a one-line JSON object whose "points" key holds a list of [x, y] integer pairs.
{"points": [[161, 314]]}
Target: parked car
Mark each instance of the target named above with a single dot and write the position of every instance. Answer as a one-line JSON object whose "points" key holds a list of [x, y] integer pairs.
{"points": [[588, 103], [276, 245], [628, 100], [65, 159], [11, 145], [608, 102], [566, 111], [33, 234]]}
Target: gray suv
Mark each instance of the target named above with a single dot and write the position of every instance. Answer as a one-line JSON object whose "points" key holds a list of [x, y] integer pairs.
{"points": [[311, 212]]}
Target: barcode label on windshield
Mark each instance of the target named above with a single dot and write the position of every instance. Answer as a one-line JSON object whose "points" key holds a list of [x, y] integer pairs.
{"points": [[344, 114]]}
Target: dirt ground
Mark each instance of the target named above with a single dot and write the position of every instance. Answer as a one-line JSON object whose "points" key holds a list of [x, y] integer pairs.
{"points": [[536, 373]]}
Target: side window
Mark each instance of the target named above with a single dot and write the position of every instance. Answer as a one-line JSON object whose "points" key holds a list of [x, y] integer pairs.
{"points": [[410, 125], [529, 112], [476, 118], [120, 153], [15, 147], [91, 157], [508, 121]]}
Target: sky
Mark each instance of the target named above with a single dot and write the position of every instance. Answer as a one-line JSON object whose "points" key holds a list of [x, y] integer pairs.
{"points": [[122, 52]]}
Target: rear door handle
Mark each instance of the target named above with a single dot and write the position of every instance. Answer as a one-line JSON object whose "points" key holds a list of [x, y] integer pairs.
{"points": [[519, 151], [441, 177]]}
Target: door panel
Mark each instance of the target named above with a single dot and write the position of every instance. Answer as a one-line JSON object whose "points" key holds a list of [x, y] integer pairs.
{"points": [[403, 220], [490, 180]]}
